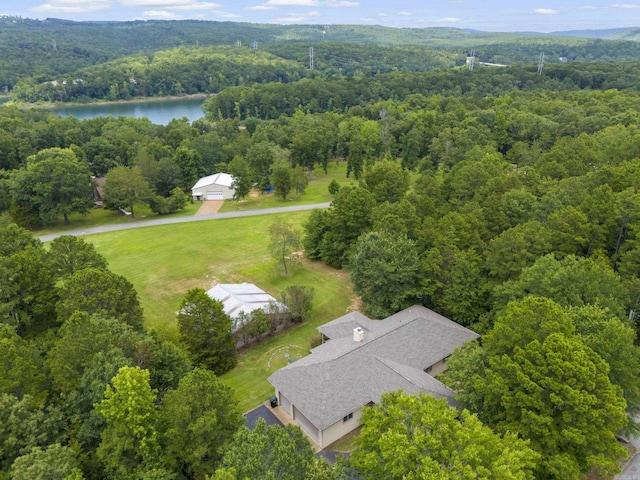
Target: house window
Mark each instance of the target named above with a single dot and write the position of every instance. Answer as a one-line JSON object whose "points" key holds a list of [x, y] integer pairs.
{"points": [[346, 418]]}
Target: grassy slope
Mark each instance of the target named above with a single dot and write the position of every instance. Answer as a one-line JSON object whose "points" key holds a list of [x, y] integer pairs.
{"points": [[164, 262]]}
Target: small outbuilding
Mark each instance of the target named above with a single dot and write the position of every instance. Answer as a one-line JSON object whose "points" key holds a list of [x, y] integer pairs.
{"points": [[237, 298], [213, 187]]}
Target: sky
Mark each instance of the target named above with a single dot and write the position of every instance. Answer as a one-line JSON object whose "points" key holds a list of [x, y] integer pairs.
{"points": [[487, 15]]}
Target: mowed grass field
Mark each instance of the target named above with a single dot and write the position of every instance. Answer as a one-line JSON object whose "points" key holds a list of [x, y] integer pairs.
{"points": [[164, 262]]}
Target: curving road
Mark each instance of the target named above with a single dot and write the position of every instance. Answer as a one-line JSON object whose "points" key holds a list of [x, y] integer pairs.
{"points": [[196, 218]]}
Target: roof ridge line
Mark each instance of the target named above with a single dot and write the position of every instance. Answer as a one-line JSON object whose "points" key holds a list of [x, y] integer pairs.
{"points": [[362, 344], [383, 362]]}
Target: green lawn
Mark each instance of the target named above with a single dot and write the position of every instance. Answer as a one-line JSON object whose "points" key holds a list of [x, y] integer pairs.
{"points": [[101, 216], [164, 262], [316, 192]]}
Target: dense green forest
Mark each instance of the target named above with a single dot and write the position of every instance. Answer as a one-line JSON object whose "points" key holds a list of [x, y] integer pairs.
{"points": [[506, 200], [57, 60]]}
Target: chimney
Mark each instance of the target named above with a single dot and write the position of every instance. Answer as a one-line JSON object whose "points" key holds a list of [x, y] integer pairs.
{"points": [[358, 334]]}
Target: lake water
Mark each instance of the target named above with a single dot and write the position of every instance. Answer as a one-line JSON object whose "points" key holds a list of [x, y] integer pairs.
{"points": [[159, 112]]}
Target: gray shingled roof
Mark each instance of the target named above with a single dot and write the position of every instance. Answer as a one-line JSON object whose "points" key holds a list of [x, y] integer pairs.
{"points": [[341, 375]]}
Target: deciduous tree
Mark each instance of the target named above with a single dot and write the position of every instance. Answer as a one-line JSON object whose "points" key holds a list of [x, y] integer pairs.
{"points": [[201, 417], [130, 437], [267, 452], [54, 183], [419, 437], [299, 301], [55, 462], [281, 178], [206, 331], [100, 291], [68, 254], [385, 271], [387, 181], [535, 376], [125, 188], [242, 183], [284, 242]]}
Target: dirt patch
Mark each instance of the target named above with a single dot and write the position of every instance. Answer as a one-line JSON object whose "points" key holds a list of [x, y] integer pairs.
{"points": [[254, 193], [210, 206]]}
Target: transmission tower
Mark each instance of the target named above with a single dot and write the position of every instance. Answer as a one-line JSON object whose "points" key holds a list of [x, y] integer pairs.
{"points": [[310, 58], [540, 63], [471, 60], [254, 45]]}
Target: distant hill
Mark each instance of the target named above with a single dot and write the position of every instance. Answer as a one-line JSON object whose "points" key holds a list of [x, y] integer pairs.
{"points": [[605, 33], [43, 50]]}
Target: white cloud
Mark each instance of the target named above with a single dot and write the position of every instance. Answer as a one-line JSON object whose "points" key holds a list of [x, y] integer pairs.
{"points": [[340, 3], [546, 11], [448, 20], [625, 5], [310, 3], [196, 6], [589, 7], [72, 6], [292, 3], [297, 17], [261, 7], [383, 14], [226, 15], [406, 14], [154, 3], [161, 15]]}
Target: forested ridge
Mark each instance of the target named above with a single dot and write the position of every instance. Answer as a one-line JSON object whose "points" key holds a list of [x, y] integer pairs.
{"points": [[505, 200], [59, 61]]}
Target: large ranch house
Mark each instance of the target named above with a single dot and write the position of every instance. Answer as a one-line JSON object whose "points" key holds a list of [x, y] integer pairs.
{"points": [[326, 392]]}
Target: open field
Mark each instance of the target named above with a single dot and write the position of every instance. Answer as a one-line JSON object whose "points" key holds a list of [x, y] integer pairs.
{"points": [[164, 262]]}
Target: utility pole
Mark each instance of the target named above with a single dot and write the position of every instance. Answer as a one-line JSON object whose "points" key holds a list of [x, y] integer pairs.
{"points": [[540, 63], [310, 58]]}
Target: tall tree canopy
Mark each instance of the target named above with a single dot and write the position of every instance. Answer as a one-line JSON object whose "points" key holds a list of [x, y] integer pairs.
{"points": [[206, 331], [535, 376], [385, 271], [268, 452], [419, 437], [55, 182], [95, 290], [201, 416]]}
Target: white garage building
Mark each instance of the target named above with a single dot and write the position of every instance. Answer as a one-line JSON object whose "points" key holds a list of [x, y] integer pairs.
{"points": [[213, 187]]}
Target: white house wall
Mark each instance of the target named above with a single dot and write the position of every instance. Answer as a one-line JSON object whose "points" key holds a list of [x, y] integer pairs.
{"points": [[340, 429], [227, 193]]}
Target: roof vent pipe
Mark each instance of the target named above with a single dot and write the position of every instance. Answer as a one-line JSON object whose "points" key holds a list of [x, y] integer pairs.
{"points": [[358, 334]]}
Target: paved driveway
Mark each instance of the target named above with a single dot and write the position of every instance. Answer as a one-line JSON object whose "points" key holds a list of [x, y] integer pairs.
{"points": [[631, 470], [252, 417], [209, 206]]}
